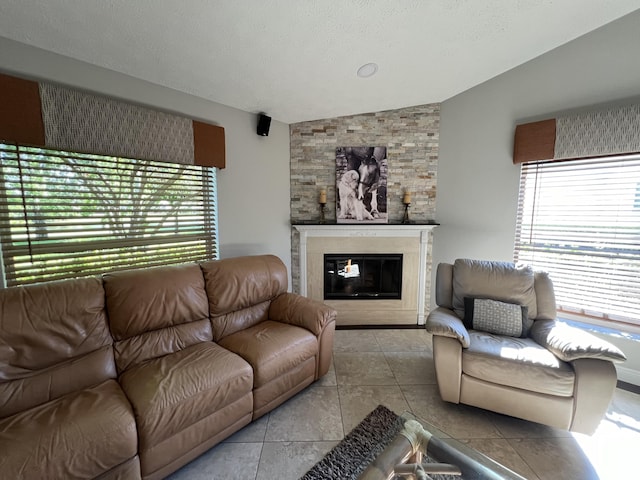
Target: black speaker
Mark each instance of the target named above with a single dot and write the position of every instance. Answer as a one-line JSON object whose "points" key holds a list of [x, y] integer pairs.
{"points": [[264, 123]]}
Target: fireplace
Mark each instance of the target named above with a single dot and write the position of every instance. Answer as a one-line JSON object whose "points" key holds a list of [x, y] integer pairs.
{"points": [[363, 276], [333, 243]]}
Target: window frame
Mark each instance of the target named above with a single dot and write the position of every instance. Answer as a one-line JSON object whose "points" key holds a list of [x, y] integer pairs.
{"points": [[195, 210], [526, 223]]}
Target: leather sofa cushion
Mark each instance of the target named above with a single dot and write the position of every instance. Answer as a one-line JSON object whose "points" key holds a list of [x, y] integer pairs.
{"points": [[139, 301], [67, 377], [272, 348], [236, 286], [545, 296], [156, 311], [166, 457], [45, 441], [277, 391], [517, 362], [173, 392], [129, 470], [501, 281], [158, 343], [54, 340], [233, 322], [444, 285]]}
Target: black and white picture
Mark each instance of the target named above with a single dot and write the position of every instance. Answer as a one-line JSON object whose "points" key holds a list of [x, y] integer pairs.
{"points": [[361, 184]]}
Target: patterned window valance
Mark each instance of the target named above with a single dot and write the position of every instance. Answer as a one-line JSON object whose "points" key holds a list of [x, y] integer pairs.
{"points": [[614, 131], [49, 115]]}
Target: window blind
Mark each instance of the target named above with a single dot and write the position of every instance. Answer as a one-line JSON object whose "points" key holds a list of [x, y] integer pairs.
{"points": [[580, 221], [65, 214]]}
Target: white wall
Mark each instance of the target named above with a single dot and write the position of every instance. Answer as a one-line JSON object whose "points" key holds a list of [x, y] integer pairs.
{"points": [[253, 191], [477, 182]]}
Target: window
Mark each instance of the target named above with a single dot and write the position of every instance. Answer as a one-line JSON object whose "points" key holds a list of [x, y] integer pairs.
{"points": [[65, 214], [579, 221]]}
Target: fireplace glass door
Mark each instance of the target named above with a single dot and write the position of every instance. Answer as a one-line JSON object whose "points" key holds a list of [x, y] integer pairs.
{"points": [[362, 276]]}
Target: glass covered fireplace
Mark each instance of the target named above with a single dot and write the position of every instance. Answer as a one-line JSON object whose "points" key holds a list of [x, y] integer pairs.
{"points": [[362, 276]]}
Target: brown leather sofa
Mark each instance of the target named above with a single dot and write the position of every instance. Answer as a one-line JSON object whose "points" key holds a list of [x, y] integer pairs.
{"points": [[135, 374]]}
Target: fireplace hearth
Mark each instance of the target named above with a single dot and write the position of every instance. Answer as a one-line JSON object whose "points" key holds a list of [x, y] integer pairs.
{"points": [[362, 276]]}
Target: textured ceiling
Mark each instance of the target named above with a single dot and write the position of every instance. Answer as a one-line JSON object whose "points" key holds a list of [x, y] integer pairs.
{"points": [[296, 60]]}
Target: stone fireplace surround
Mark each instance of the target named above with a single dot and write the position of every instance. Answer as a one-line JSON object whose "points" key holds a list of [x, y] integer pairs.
{"points": [[413, 241]]}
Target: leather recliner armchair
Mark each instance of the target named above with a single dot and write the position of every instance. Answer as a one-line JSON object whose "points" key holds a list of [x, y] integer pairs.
{"points": [[546, 372]]}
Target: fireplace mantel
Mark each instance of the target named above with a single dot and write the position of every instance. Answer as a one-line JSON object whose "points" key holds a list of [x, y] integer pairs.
{"points": [[412, 239], [374, 228]]}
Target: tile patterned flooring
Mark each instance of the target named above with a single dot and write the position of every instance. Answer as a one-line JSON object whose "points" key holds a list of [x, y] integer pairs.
{"points": [[394, 368]]}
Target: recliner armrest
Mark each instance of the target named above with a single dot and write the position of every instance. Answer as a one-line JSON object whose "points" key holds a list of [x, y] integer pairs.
{"points": [[301, 311], [570, 343], [444, 322]]}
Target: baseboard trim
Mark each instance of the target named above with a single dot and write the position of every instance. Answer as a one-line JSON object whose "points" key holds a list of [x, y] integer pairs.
{"points": [[628, 375], [379, 327], [629, 387]]}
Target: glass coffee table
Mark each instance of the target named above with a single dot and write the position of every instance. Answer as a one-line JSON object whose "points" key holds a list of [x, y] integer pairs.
{"points": [[421, 451]]}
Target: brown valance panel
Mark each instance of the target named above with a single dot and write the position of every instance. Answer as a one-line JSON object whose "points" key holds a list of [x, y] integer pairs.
{"points": [[49, 115], [597, 133], [20, 117], [534, 141], [208, 145]]}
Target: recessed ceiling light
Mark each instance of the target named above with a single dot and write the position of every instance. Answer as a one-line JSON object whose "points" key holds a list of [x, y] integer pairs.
{"points": [[367, 70]]}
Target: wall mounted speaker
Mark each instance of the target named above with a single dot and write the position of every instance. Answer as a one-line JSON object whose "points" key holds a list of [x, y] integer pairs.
{"points": [[264, 122]]}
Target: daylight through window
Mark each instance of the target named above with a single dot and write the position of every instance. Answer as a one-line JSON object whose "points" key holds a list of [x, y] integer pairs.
{"points": [[580, 221], [65, 214]]}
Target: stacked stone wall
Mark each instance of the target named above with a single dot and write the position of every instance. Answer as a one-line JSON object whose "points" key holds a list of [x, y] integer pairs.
{"points": [[411, 136]]}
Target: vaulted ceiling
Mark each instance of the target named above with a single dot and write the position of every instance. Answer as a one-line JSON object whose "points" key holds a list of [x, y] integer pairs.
{"points": [[296, 60]]}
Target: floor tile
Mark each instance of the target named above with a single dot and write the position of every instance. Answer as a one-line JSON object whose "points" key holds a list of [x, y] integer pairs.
{"points": [[627, 402], [618, 424], [329, 380], [355, 341], [555, 458], [412, 368], [356, 402], [613, 449], [500, 450], [290, 460], [254, 432], [458, 421], [364, 368], [312, 415], [225, 461], [405, 340], [511, 427]]}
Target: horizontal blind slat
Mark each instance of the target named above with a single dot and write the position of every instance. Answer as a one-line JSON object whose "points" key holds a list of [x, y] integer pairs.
{"points": [[580, 221], [64, 214]]}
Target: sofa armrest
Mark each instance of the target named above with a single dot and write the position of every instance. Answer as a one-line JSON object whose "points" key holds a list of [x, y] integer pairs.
{"points": [[444, 322], [594, 386], [570, 343], [301, 311]]}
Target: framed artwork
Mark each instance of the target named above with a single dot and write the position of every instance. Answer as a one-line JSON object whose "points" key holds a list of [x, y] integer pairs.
{"points": [[361, 184]]}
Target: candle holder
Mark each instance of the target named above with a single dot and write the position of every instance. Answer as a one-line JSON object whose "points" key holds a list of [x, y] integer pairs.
{"points": [[322, 201], [322, 205], [405, 218], [406, 200]]}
